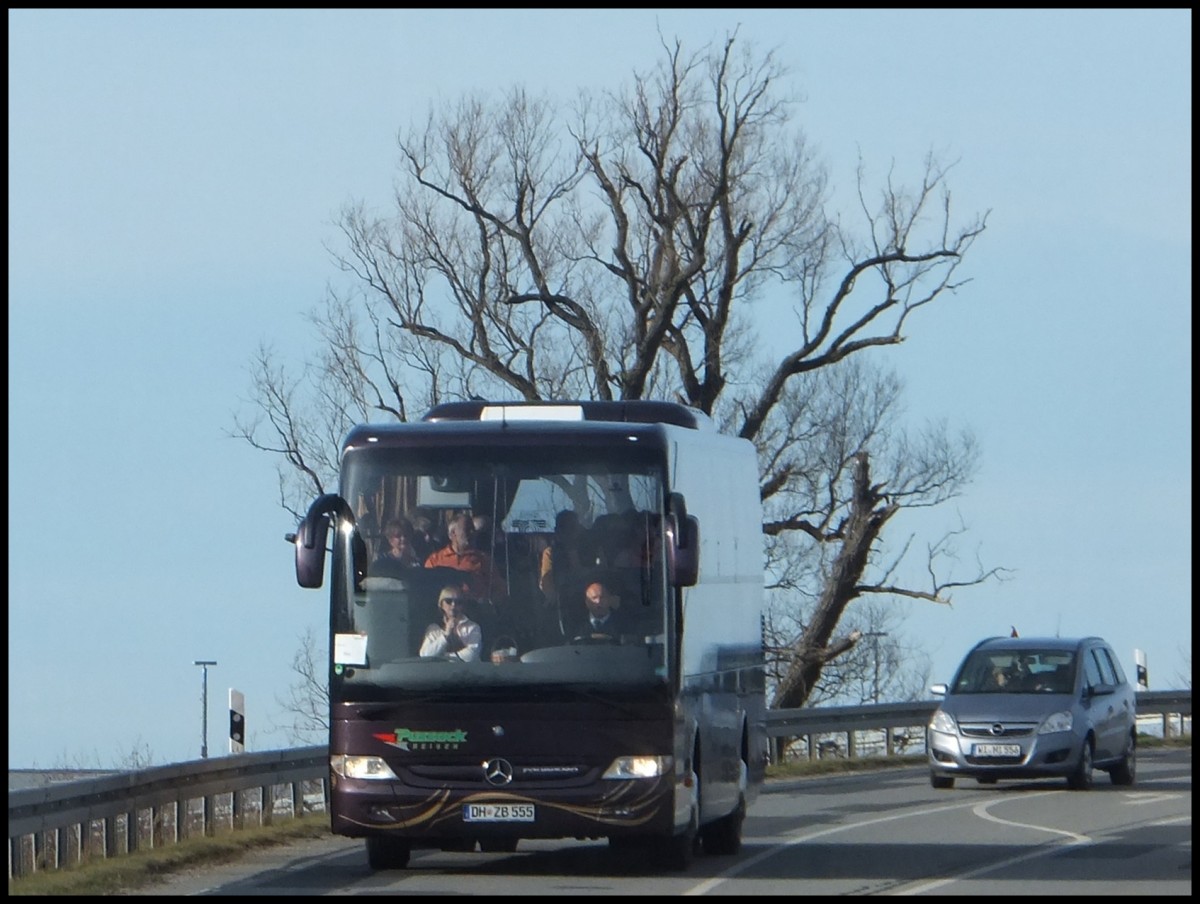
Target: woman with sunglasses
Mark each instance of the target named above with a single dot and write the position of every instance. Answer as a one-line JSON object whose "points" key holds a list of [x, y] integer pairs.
{"points": [[457, 637]]}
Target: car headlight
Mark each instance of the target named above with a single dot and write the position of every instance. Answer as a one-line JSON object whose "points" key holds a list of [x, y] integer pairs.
{"points": [[639, 767], [942, 722], [369, 767], [1060, 721]]}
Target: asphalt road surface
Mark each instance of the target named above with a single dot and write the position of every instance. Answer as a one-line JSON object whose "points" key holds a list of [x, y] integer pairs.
{"points": [[885, 832]]}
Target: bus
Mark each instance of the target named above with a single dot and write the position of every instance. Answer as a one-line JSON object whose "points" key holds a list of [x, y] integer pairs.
{"points": [[652, 737]]}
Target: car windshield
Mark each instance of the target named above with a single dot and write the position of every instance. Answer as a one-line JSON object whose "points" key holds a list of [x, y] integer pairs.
{"points": [[1017, 672]]}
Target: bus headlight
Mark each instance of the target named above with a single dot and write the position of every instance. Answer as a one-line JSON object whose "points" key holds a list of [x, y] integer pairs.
{"points": [[366, 767], [624, 767]]}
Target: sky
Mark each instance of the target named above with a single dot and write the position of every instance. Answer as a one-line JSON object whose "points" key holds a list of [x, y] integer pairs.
{"points": [[174, 180]]}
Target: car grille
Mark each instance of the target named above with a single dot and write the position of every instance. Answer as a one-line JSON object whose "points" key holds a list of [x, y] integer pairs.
{"points": [[987, 729], [995, 760]]}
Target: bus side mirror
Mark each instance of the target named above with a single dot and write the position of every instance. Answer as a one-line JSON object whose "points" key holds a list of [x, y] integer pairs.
{"points": [[683, 543], [310, 551], [685, 569], [311, 537]]}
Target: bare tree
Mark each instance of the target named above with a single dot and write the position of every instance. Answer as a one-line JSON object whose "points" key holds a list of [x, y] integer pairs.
{"points": [[307, 699], [1184, 679], [627, 249], [139, 756], [884, 666], [826, 514]]}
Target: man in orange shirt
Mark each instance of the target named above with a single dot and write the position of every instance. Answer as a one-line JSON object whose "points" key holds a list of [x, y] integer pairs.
{"points": [[481, 577]]}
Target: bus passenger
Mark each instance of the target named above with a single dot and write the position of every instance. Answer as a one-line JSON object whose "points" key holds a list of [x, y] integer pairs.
{"points": [[457, 637], [565, 553], [491, 540], [482, 577], [401, 548], [423, 536]]}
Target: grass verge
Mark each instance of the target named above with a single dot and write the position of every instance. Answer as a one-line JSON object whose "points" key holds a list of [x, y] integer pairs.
{"points": [[104, 876]]}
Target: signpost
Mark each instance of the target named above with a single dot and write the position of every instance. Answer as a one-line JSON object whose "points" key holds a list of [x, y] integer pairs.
{"points": [[204, 663], [237, 721]]}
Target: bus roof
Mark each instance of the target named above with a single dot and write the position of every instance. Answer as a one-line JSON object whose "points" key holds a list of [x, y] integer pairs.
{"points": [[478, 423], [639, 411]]}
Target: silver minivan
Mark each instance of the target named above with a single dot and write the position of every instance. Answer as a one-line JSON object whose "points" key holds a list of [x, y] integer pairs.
{"points": [[1030, 707]]}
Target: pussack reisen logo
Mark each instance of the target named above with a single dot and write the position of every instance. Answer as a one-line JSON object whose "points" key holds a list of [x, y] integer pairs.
{"points": [[407, 739]]}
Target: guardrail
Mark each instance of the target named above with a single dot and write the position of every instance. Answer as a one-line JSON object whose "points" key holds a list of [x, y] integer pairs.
{"points": [[66, 823], [62, 824], [849, 722]]}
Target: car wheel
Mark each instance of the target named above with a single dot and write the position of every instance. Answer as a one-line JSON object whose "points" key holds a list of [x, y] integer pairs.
{"points": [[1125, 772], [1081, 778], [941, 782]]}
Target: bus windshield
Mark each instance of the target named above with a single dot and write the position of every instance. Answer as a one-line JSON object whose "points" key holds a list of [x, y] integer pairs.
{"points": [[479, 568]]}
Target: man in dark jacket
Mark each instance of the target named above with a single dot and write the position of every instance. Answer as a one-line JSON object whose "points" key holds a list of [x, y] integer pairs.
{"points": [[604, 620]]}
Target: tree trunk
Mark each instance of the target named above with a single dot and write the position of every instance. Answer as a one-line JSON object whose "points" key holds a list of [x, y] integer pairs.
{"points": [[869, 512]]}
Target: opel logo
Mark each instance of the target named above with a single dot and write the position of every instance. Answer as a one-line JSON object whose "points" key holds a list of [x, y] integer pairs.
{"points": [[498, 771], [997, 729]]}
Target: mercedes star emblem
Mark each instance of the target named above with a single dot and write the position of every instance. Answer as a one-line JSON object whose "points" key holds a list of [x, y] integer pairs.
{"points": [[498, 771]]}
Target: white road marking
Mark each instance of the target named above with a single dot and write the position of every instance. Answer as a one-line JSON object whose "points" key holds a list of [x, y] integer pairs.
{"points": [[792, 840], [1148, 797]]}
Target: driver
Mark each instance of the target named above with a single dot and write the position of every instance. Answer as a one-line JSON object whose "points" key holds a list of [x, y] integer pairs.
{"points": [[604, 619]]}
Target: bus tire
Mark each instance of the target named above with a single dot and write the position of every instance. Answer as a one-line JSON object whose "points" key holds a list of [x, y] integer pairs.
{"points": [[498, 845], [626, 843], [724, 836], [677, 853], [384, 852]]}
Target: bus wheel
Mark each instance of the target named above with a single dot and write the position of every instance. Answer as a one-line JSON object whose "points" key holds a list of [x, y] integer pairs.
{"points": [[724, 836], [387, 853], [677, 853], [498, 845], [626, 843]]}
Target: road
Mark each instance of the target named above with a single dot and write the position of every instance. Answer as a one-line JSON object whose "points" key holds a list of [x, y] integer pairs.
{"points": [[886, 833]]}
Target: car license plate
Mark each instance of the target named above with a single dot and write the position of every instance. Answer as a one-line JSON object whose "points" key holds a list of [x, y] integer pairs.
{"points": [[498, 812], [997, 750]]}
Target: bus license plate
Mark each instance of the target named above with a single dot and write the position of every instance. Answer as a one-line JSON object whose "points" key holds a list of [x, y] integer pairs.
{"points": [[997, 750], [498, 812]]}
